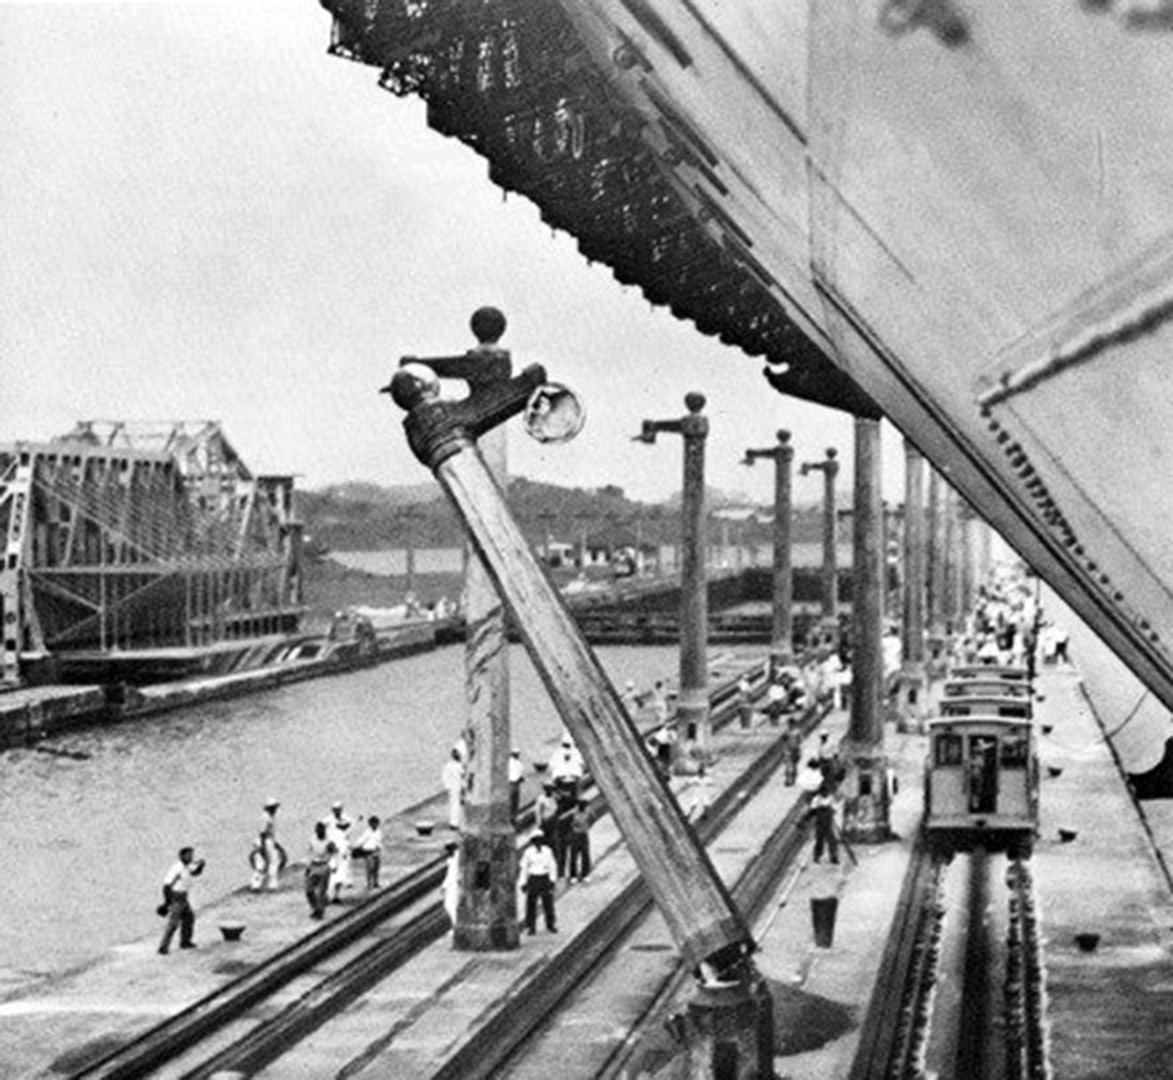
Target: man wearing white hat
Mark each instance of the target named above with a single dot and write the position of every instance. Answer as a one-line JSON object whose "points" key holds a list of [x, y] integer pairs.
{"points": [[266, 854], [337, 826]]}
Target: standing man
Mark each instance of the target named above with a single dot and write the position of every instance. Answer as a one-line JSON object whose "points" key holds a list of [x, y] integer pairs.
{"points": [[450, 887], [177, 900], [776, 697], [516, 776], [664, 743], [537, 874], [452, 777], [823, 811], [370, 848], [744, 701], [793, 751], [566, 770], [337, 825], [580, 842], [317, 870], [631, 700], [546, 813], [267, 865]]}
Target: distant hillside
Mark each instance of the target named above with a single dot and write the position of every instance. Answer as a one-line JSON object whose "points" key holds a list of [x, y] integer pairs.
{"points": [[361, 516]]}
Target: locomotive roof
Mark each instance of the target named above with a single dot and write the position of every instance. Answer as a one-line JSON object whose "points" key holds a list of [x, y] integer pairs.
{"points": [[990, 671], [963, 688], [983, 720]]}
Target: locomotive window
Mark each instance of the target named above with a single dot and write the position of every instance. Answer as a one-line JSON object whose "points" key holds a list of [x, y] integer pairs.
{"points": [[1015, 750], [947, 750]]}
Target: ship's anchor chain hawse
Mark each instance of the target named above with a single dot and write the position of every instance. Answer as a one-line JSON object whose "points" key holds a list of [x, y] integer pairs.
{"points": [[701, 914]]}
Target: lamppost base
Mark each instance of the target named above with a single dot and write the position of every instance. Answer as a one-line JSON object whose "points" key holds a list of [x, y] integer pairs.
{"points": [[730, 1031], [867, 794], [486, 915]]}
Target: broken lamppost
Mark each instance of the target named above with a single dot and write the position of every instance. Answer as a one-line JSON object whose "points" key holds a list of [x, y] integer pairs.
{"points": [[693, 704], [782, 635], [696, 906], [830, 469]]}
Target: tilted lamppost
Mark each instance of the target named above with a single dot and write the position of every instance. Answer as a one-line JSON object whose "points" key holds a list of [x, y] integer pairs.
{"points": [[693, 704], [712, 935], [782, 633]]}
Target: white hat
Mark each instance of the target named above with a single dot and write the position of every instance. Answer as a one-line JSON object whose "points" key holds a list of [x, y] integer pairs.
{"points": [[336, 806], [271, 802]]}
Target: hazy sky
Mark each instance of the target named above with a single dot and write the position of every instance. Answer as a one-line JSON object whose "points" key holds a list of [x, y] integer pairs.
{"points": [[205, 216]]}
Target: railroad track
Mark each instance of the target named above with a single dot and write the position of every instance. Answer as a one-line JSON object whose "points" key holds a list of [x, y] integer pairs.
{"points": [[497, 1046], [966, 1002], [398, 922]]}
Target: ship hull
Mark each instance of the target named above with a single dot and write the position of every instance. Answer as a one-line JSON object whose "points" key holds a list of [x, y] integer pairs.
{"points": [[961, 210]]}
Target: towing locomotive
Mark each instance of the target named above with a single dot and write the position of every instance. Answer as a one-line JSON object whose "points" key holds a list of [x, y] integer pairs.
{"points": [[982, 769]]}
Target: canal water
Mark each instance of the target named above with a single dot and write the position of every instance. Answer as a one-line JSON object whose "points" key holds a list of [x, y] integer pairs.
{"points": [[87, 839]]}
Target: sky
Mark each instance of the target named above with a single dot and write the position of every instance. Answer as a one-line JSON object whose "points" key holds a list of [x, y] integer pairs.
{"points": [[204, 216]]}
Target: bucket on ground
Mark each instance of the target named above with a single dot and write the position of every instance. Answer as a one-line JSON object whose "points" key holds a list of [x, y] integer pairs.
{"points": [[823, 911]]}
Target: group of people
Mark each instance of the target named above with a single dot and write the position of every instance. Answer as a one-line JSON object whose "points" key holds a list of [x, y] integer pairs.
{"points": [[559, 847], [330, 855], [826, 773], [562, 816]]}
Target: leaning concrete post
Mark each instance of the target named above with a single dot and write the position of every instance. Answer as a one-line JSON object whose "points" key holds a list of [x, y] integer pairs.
{"points": [[693, 704], [866, 784], [695, 904], [912, 638], [782, 631]]}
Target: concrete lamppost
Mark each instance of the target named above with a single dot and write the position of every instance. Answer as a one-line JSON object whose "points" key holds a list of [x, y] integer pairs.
{"points": [[866, 804], [693, 704], [486, 912], [829, 467], [936, 573], [782, 630], [912, 666]]}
